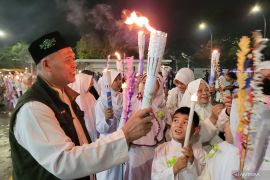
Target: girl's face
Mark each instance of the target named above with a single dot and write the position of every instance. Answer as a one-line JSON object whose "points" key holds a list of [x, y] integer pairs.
{"points": [[117, 83], [181, 86], [203, 93]]}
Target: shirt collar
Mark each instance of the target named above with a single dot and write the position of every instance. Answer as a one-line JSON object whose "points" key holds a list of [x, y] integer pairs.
{"points": [[176, 143]]}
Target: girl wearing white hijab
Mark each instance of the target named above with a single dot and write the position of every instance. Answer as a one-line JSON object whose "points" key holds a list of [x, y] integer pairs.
{"points": [[107, 120], [183, 77], [141, 152], [86, 102], [208, 118]]}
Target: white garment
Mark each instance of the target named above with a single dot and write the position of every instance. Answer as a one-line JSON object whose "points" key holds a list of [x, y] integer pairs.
{"points": [[222, 119], [208, 130], [86, 102], [174, 100], [167, 151], [39, 132], [223, 164], [106, 127], [204, 110], [185, 75], [141, 152]]}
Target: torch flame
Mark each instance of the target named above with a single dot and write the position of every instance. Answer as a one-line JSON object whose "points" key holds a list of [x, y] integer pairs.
{"points": [[140, 21], [194, 98], [215, 51], [117, 55], [124, 85]]}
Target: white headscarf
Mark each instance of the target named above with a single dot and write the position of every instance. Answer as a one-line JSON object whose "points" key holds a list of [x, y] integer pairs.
{"points": [[101, 85], [117, 98], [86, 102], [204, 110], [184, 75]]}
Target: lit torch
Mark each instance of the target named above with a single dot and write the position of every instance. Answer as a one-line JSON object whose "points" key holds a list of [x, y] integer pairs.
{"points": [[141, 45], [119, 63], [156, 48]]}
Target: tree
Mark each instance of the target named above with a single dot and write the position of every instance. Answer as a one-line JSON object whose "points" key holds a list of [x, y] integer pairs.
{"points": [[15, 56], [90, 47]]}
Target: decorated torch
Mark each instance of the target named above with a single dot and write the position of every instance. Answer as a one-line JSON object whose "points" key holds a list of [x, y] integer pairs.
{"points": [[194, 99], [214, 61], [107, 83], [155, 53], [119, 63], [141, 45]]}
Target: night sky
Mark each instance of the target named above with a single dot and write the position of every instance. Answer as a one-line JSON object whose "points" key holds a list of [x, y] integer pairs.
{"points": [[25, 20]]}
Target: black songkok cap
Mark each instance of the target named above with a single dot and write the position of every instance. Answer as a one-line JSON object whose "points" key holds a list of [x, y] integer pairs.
{"points": [[46, 45]]}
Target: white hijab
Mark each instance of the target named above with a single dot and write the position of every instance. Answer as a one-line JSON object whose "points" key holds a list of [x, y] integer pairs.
{"points": [[86, 102], [117, 98], [184, 75], [204, 110]]}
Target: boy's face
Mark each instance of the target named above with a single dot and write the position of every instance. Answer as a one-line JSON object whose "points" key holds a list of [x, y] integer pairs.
{"points": [[179, 126]]}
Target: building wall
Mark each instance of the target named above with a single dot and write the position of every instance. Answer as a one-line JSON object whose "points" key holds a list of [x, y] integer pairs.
{"points": [[97, 65]]}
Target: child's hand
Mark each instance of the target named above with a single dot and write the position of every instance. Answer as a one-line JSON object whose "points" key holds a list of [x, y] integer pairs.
{"points": [[109, 113], [180, 164], [188, 152]]}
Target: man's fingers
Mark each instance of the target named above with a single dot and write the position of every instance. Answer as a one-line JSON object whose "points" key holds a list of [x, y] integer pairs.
{"points": [[144, 112]]}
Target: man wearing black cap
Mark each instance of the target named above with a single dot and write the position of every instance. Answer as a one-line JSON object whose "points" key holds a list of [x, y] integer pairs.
{"points": [[47, 134]]}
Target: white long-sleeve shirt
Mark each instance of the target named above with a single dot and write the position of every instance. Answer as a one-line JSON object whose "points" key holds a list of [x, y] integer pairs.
{"points": [[172, 149], [223, 164], [39, 132]]}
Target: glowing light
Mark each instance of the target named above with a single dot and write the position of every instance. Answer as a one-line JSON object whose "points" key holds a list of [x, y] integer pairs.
{"points": [[202, 25], [194, 98], [256, 9], [140, 21], [118, 56], [2, 34]]}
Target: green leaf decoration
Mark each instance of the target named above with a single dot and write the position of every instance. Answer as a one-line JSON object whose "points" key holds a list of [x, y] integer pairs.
{"points": [[212, 152], [160, 114], [171, 162]]}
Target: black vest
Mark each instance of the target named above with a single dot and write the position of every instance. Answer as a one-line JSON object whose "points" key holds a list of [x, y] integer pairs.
{"points": [[25, 167]]}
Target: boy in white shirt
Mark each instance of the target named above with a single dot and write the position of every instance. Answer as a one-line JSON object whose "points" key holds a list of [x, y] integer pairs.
{"points": [[172, 160]]}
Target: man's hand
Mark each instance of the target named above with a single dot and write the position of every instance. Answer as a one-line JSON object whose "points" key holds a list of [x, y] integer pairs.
{"points": [[180, 164], [138, 125], [109, 114], [188, 152]]}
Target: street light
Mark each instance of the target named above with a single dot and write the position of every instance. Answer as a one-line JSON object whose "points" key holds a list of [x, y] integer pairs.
{"points": [[203, 26], [185, 56], [2, 34], [257, 9]]}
